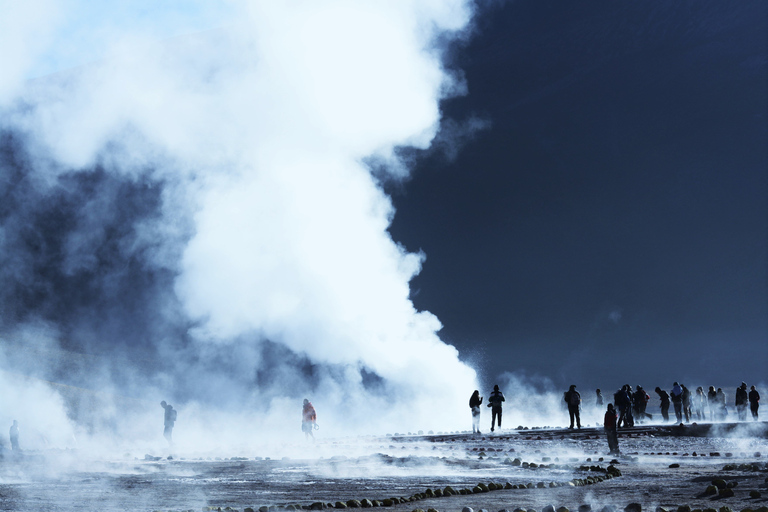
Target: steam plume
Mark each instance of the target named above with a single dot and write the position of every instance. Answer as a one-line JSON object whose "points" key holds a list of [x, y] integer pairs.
{"points": [[215, 219]]}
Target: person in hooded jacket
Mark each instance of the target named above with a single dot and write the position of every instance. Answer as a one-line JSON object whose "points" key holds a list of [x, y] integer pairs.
{"points": [[494, 402], [722, 407], [686, 403], [475, 401]]}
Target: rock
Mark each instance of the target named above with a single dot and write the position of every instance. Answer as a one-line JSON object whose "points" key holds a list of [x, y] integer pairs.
{"points": [[671, 466], [317, 506], [448, 491], [491, 486], [366, 503], [508, 485], [563, 509], [476, 489], [710, 490], [517, 462], [541, 485], [483, 487], [633, 507], [661, 509], [467, 509], [755, 494], [529, 485], [438, 493], [719, 483], [612, 470], [684, 508], [353, 504], [725, 509], [384, 503], [585, 508], [340, 504], [732, 484], [548, 508], [263, 509], [725, 493], [431, 510]]}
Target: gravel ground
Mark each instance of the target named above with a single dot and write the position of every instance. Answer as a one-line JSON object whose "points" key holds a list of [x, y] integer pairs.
{"points": [[378, 468]]}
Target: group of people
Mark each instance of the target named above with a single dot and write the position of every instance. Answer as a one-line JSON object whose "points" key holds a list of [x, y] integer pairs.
{"points": [[494, 402]]}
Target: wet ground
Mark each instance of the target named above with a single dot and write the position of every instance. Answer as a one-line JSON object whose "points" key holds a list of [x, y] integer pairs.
{"points": [[379, 468]]}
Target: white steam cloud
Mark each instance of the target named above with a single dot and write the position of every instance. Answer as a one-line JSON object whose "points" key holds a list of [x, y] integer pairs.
{"points": [[256, 130]]}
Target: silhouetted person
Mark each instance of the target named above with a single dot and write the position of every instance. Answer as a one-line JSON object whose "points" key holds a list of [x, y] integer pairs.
{"points": [[573, 399], [641, 403], [308, 419], [494, 402], [742, 399], [664, 398], [169, 419], [712, 401], [14, 433], [676, 395], [700, 404], [599, 398], [754, 402], [622, 399], [722, 407], [686, 403], [611, 432], [475, 401]]}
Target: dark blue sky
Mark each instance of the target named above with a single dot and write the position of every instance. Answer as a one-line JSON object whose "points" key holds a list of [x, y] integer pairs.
{"points": [[611, 223]]}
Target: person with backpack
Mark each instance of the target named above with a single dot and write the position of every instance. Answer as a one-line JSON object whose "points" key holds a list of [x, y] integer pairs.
{"points": [[308, 420], [169, 419], [494, 402], [664, 398], [475, 401], [573, 399]]}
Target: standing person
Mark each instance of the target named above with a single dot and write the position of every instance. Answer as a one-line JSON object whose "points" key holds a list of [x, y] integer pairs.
{"points": [[599, 398], [611, 432], [754, 401], [741, 401], [573, 399], [169, 419], [308, 420], [641, 404], [686, 403], [722, 407], [700, 403], [621, 399], [712, 401], [494, 402], [14, 433], [677, 401], [664, 397], [475, 401]]}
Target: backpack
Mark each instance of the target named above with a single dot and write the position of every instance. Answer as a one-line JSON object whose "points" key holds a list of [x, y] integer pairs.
{"points": [[173, 414]]}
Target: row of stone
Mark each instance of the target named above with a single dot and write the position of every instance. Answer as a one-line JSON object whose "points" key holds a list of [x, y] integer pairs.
{"points": [[610, 472]]}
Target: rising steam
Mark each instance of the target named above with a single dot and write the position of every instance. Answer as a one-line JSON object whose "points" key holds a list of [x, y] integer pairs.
{"points": [[203, 221]]}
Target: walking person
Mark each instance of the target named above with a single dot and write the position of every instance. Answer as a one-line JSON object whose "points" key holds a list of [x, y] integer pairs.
{"points": [[308, 420], [599, 398], [573, 399], [677, 401], [664, 398], [494, 402], [475, 401], [742, 399], [169, 420], [611, 430], [754, 402]]}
